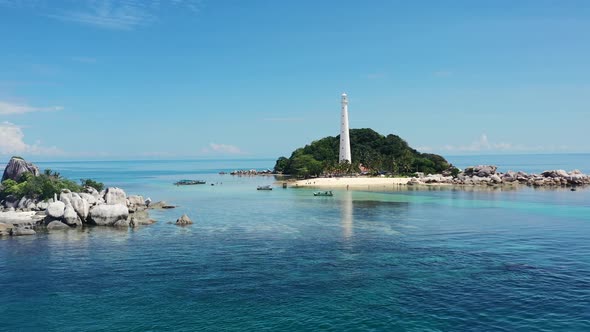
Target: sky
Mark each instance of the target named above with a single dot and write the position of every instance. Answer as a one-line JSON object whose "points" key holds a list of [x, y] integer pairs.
{"points": [[157, 79]]}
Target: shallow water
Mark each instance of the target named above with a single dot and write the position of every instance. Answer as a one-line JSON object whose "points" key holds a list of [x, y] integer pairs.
{"points": [[429, 259]]}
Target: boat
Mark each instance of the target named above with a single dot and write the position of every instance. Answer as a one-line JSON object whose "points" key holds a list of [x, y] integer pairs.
{"points": [[267, 187], [323, 193], [188, 182]]}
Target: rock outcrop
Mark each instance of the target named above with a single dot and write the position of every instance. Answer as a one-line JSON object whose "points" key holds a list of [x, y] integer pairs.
{"points": [[184, 220], [110, 207], [488, 175], [16, 167], [71, 217], [109, 215], [55, 210], [114, 196]]}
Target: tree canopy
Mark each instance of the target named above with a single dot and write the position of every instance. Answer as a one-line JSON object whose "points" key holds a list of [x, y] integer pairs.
{"points": [[375, 152], [43, 186]]}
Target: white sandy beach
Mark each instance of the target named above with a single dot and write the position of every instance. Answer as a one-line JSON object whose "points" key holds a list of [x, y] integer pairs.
{"points": [[352, 182]]}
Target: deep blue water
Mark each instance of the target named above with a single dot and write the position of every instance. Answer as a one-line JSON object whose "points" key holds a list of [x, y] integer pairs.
{"points": [[419, 260]]}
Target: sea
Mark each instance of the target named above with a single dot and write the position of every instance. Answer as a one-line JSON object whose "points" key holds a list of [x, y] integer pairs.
{"points": [[424, 259]]}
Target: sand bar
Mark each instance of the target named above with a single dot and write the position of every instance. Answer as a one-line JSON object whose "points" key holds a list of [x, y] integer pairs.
{"points": [[352, 182]]}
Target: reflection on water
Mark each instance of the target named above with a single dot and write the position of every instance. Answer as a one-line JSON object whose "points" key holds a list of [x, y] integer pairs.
{"points": [[346, 215]]}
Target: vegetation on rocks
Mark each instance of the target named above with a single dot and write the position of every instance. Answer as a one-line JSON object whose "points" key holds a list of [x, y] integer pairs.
{"points": [[376, 153], [42, 186]]}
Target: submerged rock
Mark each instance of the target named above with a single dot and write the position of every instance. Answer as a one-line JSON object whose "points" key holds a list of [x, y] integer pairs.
{"points": [[23, 231], [5, 229], [56, 224]]}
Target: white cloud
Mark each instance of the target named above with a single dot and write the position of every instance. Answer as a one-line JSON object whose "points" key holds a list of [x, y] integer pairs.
{"points": [[12, 142], [483, 144], [7, 108], [222, 149], [109, 14]]}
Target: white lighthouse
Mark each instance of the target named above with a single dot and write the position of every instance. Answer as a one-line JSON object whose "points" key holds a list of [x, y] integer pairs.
{"points": [[344, 135]]}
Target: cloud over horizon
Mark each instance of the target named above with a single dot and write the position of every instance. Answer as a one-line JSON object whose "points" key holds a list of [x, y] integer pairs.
{"points": [[7, 108], [12, 142], [223, 149], [484, 145]]}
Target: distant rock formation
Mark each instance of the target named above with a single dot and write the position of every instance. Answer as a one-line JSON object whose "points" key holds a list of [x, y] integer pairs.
{"points": [[488, 175], [16, 167], [184, 220]]}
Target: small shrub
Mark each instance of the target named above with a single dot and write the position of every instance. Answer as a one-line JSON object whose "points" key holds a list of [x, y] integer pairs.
{"points": [[99, 186]]}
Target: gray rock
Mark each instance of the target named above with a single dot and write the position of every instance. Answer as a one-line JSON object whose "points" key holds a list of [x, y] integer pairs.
{"points": [[114, 196], [23, 231], [5, 229], [42, 206], [66, 196], [81, 207], [495, 178], [56, 224], [21, 204], [136, 200], [121, 223], [555, 174], [91, 191], [184, 220], [108, 215], [16, 167], [88, 198], [71, 217], [55, 210]]}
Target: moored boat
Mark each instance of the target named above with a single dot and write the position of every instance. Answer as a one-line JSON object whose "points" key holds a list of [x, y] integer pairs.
{"points": [[267, 187], [188, 182], [323, 193]]}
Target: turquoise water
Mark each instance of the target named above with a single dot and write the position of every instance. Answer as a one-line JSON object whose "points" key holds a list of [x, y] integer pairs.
{"points": [[284, 260]]}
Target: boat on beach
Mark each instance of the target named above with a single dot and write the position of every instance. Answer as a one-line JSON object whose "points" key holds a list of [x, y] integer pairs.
{"points": [[188, 182], [267, 187], [323, 193]]}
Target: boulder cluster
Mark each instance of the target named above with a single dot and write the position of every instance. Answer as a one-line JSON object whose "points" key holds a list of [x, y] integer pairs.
{"points": [[110, 207], [488, 175], [251, 172]]}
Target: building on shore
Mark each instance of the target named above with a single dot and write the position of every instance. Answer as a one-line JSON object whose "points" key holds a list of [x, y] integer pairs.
{"points": [[344, 132]]}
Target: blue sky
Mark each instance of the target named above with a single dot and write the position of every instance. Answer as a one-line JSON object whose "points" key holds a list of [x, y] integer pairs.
{"points": [[171, 79]]}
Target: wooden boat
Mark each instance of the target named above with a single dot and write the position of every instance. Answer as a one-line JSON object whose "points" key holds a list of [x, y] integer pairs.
{"points": [[323, 193], [188, 182], [267, 187]]}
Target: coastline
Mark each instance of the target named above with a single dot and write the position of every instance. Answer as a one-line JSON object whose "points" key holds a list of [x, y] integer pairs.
{"points": [[351, 182]]}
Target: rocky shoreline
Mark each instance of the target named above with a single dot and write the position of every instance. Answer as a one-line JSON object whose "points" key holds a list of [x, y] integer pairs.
{"points": [[88, 207], [110, 207], [488, 175]]}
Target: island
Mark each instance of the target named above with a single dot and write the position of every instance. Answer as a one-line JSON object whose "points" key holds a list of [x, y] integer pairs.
{"points": [[384, 161]]}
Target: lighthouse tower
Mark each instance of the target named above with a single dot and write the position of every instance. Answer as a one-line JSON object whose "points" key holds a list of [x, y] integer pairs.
{"points": [[344, 135]]}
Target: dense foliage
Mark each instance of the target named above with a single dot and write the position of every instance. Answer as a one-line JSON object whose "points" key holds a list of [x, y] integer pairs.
{"points": [[43, 186], [375, 152], [91, 183]]}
